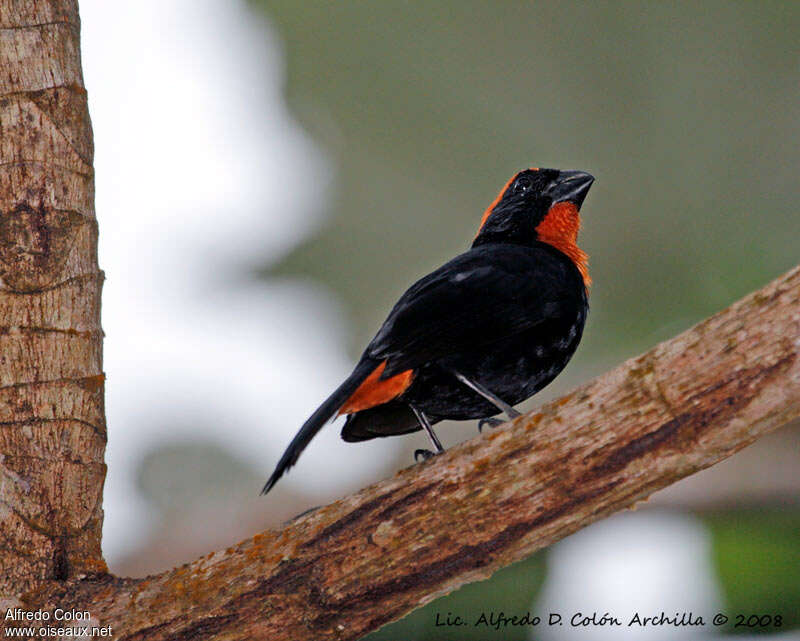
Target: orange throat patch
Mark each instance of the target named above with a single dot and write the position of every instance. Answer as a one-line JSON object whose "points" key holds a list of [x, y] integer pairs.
{"points": [[559, 228]]}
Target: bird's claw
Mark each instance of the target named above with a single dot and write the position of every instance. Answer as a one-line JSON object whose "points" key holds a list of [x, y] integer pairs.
{"points": [[491, 422], [423, 454]]}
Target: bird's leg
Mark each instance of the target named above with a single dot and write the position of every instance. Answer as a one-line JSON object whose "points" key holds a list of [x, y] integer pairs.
{"points": [[499, 403], [426, 424]]}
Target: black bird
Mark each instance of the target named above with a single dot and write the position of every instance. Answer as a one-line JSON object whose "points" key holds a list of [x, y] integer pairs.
{"points": [[484, 332]]}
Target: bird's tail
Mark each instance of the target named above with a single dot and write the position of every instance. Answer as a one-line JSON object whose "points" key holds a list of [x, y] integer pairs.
{"points": [[318, 419]]}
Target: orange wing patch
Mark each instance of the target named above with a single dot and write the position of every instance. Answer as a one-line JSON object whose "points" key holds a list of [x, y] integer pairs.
{"points": [[374, 391]]}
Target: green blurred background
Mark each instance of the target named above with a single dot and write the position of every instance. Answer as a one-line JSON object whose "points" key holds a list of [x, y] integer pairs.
{"points": [[686, 113]]}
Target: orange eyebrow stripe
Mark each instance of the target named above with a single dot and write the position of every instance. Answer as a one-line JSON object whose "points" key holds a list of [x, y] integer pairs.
{"points": [[374, 391], [489, 209]]}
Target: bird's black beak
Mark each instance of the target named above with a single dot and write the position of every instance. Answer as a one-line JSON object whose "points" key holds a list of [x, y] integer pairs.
{"points": [[570, 186]]}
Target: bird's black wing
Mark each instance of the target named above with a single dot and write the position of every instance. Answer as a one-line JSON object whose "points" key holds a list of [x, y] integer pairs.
{"points": [[486, 294]]}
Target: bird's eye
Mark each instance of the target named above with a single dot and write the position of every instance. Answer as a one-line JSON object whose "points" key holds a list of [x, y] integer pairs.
{"points": [[522, 185]]}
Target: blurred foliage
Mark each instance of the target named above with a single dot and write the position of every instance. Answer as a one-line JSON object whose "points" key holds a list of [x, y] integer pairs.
{"points": [[511, 590], [757, 556], [687, 114], [180, 475]]}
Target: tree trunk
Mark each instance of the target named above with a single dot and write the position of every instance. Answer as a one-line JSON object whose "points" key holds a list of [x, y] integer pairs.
{"points": [[52, 422]]}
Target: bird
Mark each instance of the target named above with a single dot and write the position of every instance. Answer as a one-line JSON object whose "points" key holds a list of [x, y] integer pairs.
{"points": [[480, 334]]}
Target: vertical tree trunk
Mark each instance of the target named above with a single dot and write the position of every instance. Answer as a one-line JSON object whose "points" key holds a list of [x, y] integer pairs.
{"points": [[52, 424]]}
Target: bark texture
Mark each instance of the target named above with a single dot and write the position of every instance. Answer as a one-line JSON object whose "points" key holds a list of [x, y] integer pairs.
{"points": [[52, 425], [352, 566]]}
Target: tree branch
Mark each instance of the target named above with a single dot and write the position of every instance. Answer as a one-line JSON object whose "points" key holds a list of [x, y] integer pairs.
{"points": [[354, 565]]}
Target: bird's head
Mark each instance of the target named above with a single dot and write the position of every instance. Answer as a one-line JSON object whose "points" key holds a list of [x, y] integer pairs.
{"points": [[539, 205]]}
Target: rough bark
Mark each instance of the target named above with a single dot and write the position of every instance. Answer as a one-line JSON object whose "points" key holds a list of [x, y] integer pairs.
{"points": [[52, 426], [354, 565]]}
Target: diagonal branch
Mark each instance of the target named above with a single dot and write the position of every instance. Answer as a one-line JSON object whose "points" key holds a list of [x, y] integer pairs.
{"points": [[354, 565]]}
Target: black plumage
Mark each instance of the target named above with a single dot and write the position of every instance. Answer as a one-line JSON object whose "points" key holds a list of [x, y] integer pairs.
{"points": [[504, 317], [482, 315]]}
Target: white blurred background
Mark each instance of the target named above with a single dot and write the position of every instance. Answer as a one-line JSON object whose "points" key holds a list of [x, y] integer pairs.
{"points": [[201, 174]]}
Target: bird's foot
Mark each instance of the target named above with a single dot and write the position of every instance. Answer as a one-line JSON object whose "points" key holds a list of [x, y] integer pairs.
{"points": [[491, 422], [303, 513], [423, 454]]}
